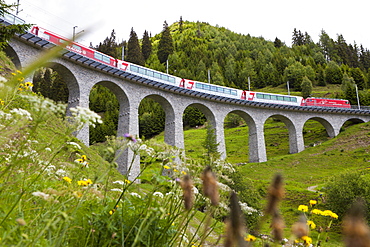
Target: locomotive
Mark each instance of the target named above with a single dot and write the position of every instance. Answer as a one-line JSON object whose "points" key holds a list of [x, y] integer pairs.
{"points": [[185, 83]]}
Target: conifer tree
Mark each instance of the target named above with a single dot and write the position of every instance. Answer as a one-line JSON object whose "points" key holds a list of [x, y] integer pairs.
{"points": [[134, 54], [109, 45], [210, 143], [181, 23], [306, 87], [146, 47], [165, 47]]}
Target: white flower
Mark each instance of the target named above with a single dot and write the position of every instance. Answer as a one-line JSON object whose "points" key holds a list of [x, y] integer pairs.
{"points": [[85, 115], [135, 194], [61, 173], [21, 112], [74, 144], [41, 194], [2, 79], [116, 189], [119, 182], [157, 193], [48, 149]]}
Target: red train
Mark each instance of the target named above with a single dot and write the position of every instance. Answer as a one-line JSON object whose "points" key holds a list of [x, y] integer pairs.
{"points": [[189, 84]]}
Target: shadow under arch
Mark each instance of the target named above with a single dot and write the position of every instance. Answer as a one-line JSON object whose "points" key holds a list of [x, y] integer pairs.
{"points": [[327, 125], [295, 138], [124, 104], [10, 52], [253, 142], [169, 127], [71, 81]]}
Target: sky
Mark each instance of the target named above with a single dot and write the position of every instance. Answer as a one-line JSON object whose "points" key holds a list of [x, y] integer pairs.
{"points": [[94, 20]]}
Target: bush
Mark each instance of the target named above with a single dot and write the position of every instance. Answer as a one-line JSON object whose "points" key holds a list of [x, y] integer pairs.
{"points": [[342, 190]]}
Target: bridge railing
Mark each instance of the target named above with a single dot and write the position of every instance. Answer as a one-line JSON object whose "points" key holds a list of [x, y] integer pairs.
{"points": [[11, 19]]}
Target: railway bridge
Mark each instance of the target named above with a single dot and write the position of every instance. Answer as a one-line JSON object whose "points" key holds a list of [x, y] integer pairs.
{"points": [[81, 74]]}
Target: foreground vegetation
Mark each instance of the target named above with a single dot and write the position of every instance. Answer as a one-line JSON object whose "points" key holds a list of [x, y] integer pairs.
{"points": [[55, 191]]}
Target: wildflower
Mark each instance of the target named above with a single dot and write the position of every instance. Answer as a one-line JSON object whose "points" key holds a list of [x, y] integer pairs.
{"points": [[129, 137], [112, 211], [21, 112], [77, 194], [183, 172], [303, 208], [275, 194], [316, 211], [311, 224], [166, 167], [41, 194], [210, 188], [21, 221], [250, 238], [127, 181], [116, 189], [135, 194], [119, 182], [84, 182], [2, 102], [188, 193], [67, 179], [307, 240], [313, 202], [82, 161], [157, 193], [85, 115], [300, 228], [175, 170]]}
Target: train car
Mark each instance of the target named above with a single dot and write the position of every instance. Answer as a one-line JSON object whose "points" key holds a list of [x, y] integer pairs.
{"points": [[272, 98], [325, 102], [76, 47], [185, 83]]}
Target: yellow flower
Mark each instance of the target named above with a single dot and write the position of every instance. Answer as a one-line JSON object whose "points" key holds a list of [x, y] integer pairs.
{"points": [[175, 170], [166, 167], [67, 179], [316, 211], [2, 102], [127, 181], [83, 157], [303, 208], [183, 172], [29, 84], [307, 240], [84, 182], [311, 224], [313, 202], [250, 238], [112, 211]]}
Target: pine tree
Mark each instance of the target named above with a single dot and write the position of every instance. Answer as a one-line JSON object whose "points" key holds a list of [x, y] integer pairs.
{"points": [[181, 23], [165, 47], [146, 47], [278, 43], [109, 45], [210, 143], [306, 87], [134, 54]]}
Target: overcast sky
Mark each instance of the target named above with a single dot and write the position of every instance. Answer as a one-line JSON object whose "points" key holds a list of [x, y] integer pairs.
{"points": [[266, 18]]}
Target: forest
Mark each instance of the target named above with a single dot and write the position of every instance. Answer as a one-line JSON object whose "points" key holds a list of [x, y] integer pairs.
{"points": [[202, 52]]}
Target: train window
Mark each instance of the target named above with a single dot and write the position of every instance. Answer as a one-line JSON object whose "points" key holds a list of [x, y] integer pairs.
{"points": [[266, 96], [106, 59], [142, 71], [98, 56], [273, 97], [214, 88], [220, 90], [150, 73], [206, 87], [76, 47], [157, 75], [227, 91], [280, 98], [171, 79], [293, 99], [233, 92], [259, 96], [165, 77], [134, 68]]}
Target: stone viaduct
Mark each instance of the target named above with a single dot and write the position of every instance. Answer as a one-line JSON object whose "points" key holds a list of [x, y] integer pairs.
{"points": [[81, 74]]}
